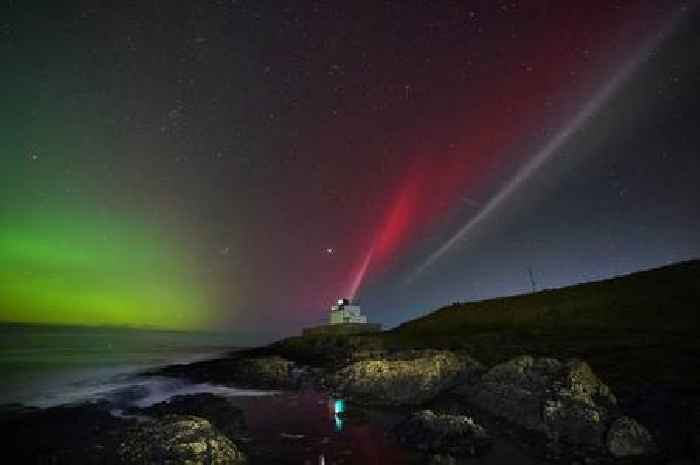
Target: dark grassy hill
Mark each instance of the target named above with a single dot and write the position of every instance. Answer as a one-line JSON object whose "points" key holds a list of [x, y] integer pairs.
{"points": [[642, 327], [639, 328], [666, 298]]}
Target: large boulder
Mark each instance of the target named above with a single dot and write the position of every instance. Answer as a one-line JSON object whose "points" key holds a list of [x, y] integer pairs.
{"points": [[450, 435], [563, 400], [410, 378], [178, 440]]}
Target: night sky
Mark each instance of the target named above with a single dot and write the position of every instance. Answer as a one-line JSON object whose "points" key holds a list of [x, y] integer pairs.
{"points": [[239, 165]]}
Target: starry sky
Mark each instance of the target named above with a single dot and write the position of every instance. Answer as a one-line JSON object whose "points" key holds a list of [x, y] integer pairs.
{"points": [[238, 165]]}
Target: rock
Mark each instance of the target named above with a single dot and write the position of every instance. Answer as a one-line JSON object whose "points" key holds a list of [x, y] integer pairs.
{"points": [[563, 400], [671, 413], [256, 372], [264, 372], [409, 378], [63, 435], [626, 437], [453, 435], [175, 440], [218, 410], [574, 422]]}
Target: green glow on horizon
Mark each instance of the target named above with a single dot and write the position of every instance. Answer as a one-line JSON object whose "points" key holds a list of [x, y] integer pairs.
{"points": [[70, 266], [77, 243]]}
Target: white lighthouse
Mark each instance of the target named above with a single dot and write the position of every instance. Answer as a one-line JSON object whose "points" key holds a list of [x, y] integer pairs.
{"points": [[345, 311], [345, 318]]}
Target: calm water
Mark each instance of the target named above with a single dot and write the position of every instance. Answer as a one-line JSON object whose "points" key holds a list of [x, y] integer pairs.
{"points": [[48, 365], [309, 428]]}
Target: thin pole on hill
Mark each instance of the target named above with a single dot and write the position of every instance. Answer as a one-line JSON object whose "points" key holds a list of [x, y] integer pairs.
{"points": [[532, 279]]}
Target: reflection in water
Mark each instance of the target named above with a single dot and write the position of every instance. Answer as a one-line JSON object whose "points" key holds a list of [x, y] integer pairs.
{"points": [[338, 410], [312, 421], [314, 416]]}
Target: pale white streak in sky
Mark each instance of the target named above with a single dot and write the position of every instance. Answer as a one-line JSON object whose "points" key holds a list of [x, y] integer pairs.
{"points": [[359, 276], [591, 107]]}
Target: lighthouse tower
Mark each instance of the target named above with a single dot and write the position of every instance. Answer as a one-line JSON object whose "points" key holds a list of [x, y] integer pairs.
{"points": [[345, 312], [344, 317]]}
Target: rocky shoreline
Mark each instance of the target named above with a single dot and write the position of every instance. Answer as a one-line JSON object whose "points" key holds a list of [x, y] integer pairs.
{"points": [[559, 408], [453, 406], [563, 403]]}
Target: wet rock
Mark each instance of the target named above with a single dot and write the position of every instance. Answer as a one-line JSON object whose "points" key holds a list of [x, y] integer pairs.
{"points": [[406, 379], [176, 440], [265, 372], [563, 400], [256, 372], [446, 435], [626, 437], [226, 417]]}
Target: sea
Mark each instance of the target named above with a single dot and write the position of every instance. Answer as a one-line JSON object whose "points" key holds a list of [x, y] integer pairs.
{"points": [[44, 366]]}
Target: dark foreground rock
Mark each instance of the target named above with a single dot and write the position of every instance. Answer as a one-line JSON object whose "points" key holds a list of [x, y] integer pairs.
{"points": [[671, 413], [175, 440], [410, 378], [261, 372], [65, 435], [626, 438], [450, 435], [218, 410], [563, 401], [265, 372], [89, 434]]}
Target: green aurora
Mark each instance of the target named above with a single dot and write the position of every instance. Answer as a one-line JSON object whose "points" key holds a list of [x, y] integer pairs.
{"points": [[66, 259], [78, 243], [75, 267]]}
